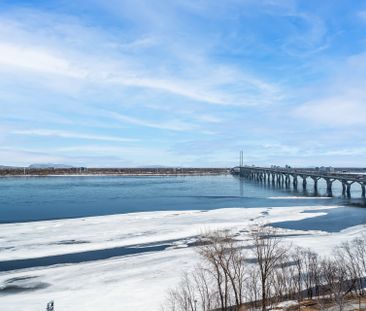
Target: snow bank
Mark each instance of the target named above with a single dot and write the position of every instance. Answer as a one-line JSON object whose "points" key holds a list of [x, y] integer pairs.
{"points": [[133, 282]]}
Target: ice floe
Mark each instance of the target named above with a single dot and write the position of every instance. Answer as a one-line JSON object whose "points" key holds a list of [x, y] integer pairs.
{"points": [[132, 282]]}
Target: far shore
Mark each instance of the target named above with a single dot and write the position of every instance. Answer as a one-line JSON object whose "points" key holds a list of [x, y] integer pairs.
{"points": [[89, 172]]}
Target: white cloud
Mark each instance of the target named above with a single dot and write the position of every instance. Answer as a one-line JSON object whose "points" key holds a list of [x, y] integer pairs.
{"points": [[339, 101], [208, 118], [345, 152], [112, 62], [115, 72], [68, 134], [173, 125], [30, 58], [334, 111]]}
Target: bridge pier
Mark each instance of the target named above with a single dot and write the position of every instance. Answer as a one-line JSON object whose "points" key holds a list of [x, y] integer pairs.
{"points": [[329, 186], [343, 188], [282, 180], [346, 188], [287, 181], [303, 182], [363, 189], [349, 189], [315, 179], [294, 182]]}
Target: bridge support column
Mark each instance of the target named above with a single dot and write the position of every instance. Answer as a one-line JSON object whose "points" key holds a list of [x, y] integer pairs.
{"points": [[303, 182], [294, 182], [315, 179], [344, 184], [329, 186], [363, 189], [287, 181], [349, 189]]}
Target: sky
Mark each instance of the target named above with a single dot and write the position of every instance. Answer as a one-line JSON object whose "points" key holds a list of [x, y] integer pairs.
{"points": [[126, 83]]}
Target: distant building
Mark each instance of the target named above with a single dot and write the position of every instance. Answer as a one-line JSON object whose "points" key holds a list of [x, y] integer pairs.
{"points": [[325, 169]]}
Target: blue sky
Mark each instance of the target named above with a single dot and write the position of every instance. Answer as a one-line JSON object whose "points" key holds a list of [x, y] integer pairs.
{"points": [[183, 83]]}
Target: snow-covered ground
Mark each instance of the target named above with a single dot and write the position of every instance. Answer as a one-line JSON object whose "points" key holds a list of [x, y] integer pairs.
{"points": [[137, 282]]}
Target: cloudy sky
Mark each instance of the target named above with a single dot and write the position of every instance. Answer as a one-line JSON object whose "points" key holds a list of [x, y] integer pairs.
{"points": [[183, 82]]}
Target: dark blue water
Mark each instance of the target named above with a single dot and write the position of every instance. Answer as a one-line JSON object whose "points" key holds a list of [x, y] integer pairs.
{"points": [[41, 198], [78, 257]]}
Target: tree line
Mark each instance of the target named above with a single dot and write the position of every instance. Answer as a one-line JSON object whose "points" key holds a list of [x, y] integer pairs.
{"points": [[262, 271]]}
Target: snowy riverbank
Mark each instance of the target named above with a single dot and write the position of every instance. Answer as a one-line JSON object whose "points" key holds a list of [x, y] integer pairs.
{"points": [[134, 281]]}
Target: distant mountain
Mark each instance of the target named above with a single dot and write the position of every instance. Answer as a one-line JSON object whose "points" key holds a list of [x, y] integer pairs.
{"points": [[7, 166], [49, 165]]}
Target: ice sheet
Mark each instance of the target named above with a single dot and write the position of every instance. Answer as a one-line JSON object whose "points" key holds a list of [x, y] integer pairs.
{"points": [[136, 282], [55, 237]]}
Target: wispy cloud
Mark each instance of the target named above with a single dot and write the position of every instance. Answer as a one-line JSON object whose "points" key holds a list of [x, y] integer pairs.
{"points": [[31, 58], [334, 111], [208, 83], [68, 134], [339, 102], [183, 81], [170, 125]]}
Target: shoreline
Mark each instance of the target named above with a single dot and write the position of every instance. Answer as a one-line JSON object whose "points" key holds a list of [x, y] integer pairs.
{"points": [[84, 171], [113, 175]]}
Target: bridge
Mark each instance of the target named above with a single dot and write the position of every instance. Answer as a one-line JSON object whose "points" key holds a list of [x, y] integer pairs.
{"points": [[285, 176]]}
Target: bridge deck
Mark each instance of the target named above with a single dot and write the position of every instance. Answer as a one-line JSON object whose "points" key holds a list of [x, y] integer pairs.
{"points": [[349, 177]]}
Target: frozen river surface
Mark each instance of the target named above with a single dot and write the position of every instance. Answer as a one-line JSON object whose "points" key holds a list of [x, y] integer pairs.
{"points": [[121, 242]]}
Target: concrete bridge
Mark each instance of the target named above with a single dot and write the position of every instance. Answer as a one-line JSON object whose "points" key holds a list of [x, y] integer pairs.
{"points": [[295, 176]]}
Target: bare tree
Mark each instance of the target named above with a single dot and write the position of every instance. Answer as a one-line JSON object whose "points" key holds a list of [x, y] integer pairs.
{"points": [[204, 289], [305, 273], [297, 271], [226, 261], [353, 256], [268, 251], [336, 279], [252, 286], [182, 298], [225, 279]]}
